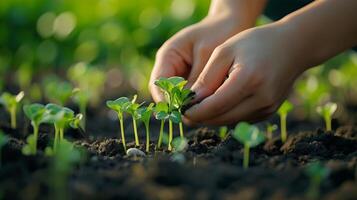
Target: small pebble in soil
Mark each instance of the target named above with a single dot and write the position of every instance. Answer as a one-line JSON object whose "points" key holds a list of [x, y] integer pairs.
{"points": [[134, 152], [178, 157]]}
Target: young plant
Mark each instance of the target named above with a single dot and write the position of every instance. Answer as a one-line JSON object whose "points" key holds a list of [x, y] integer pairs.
{"points": [[161, 113], [223, 130], [57, 91], [3, 140], [317, 173], [250, 136], [270, 129], [283, 111], [145, 115], [326, 111], [36, 113], [132, 109], [11, 102], [81, 97], [119, 105]]}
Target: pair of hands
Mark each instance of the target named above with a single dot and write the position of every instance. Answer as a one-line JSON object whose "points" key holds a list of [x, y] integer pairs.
{"points": [[237, 73]]}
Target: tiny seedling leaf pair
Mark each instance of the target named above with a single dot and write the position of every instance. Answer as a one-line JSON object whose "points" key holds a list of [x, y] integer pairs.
{"points": [[11, 102]]}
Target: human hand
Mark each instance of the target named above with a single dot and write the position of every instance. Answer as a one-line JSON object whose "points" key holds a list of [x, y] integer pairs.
{"points": [[247, 77]]}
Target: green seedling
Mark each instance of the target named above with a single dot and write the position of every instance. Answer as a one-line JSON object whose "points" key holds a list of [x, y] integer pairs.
{"points": [[250, 136], [326, 111], [36, 113], [58, 91], [162, 114], [11, 102], [119, 105], [132, 109], [317, 173], [81, 97], [179, 144], [222, 133], [145, 115], [283, 111], [176, 97], [3, 140], [270, 129]]}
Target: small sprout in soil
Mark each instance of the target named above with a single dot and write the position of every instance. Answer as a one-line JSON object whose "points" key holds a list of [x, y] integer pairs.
{"points": [[81, 97], [179, 144], [283, 111], [3, 140], [162, 113], [11, 102], [250, 136], [326, 111], [317, 173], [145, 115], [35, 112], [119, 105], [57, 91], [270, 129], [223, 130], [132, 109]]}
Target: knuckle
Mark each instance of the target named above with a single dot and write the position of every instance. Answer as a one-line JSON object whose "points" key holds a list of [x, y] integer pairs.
{"points": [[222, 50]]}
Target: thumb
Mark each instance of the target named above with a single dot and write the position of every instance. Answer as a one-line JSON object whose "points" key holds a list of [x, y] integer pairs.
{"points": [[214, 73]]}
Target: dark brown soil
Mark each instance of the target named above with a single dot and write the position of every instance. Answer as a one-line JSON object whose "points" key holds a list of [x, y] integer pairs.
{"points": [[209, 169]]}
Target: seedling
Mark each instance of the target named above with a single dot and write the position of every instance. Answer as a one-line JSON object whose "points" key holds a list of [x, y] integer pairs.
{"points": [[317, 173], [81, 97], [270, 129], [179, 144], [250, 136], [36, 113], [3, 140], [176, 97], [58, 91], [162, 113], [132, 109], [119, 105], [326, 111], [11, 102], [223, 130], [283, 111], [145, 114]]}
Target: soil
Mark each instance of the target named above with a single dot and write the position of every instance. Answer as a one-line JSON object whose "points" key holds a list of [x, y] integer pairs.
{"points": [[210, 168]]}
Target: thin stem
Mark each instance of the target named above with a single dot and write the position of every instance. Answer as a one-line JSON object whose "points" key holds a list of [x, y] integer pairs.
{"points": [[170, 135], [161, 133], [56, 141], [147, 137], [283, 127], [269, 134], [135, 132], [13, 117], [120, 116], [181, 130], [328, 123], [83, 110], [246, 157], [61, 131], [35, 132]]}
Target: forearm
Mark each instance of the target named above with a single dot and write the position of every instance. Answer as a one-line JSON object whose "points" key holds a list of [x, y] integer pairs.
{"points": [[244, 11], [321, 30]]}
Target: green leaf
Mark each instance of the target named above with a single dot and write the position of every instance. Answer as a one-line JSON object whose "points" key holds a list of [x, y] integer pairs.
{"points": [[179, 144], [145, 113], [161, 115], [30, 147], [285, 108], [3, 139], [248, 134], [175, 117], [328, 109], [8, 100], [161, 106], [75, 122], [35, 112]]}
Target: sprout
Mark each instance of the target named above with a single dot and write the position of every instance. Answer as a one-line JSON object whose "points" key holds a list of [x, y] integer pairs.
{"points": [[132, 109], [81, 98], [162, 113], [250, 136], [36, 113], [326, 111], [119, 106], [317, 173], [145, 114], [270, 129], [283, 112], [57, 91], [223, 130], [3, 140], [176, 97], [10, 102], [179, 144]]}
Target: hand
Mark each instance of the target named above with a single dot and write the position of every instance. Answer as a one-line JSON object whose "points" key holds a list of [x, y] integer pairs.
{"points": [[186, 53], [246, 78]]}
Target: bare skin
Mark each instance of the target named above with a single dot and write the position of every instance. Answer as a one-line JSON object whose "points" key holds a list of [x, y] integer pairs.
{"points": [[262, 63]]}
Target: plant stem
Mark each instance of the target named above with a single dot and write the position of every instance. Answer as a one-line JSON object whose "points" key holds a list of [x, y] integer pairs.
{"points": [[56, 141], [170, 135], [135, 132], [83, 110], [328, 123], [61, 132], [147, 137], [13, 117], [246, 157], [269, 134], [283, 127], [121, 121], [35, 132], [181, 130], [161, 133]]}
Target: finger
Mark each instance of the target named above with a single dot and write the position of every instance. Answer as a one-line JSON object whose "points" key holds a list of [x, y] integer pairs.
{"points": [[233, 91], [201, 55], [214, 73]]}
